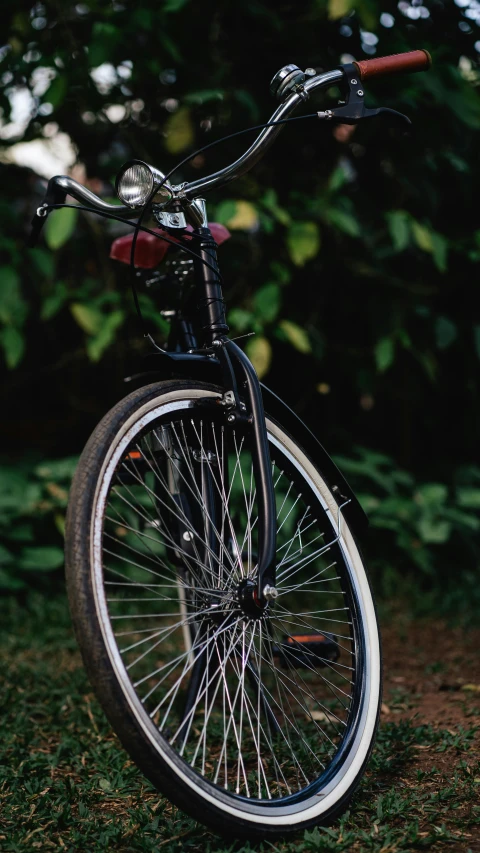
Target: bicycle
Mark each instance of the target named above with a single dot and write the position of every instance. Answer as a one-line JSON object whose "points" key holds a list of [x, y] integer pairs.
{"points": [[217, 592]]}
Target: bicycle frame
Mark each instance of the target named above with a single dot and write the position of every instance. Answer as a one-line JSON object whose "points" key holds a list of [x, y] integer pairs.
{"points": [[229, 367]]}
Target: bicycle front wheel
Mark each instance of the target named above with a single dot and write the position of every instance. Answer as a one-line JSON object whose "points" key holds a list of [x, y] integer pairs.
{"points": [[256, 721]]}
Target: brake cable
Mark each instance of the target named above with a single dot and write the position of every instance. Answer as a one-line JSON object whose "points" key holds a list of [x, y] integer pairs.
{"points": [[107, 215]]}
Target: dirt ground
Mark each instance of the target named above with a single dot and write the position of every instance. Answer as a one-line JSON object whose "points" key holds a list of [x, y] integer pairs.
{"points": [[438, 669], [432, 677]]}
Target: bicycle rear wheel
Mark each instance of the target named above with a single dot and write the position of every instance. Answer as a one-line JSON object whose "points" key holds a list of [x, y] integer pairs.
{"points": [[256, 721]]}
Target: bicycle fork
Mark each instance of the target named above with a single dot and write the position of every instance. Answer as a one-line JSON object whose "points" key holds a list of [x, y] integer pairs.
{"points": [[235, 364]]}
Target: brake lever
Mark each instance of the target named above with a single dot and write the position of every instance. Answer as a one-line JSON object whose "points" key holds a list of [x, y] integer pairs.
{"points": [[354, 109], [394, 114]]}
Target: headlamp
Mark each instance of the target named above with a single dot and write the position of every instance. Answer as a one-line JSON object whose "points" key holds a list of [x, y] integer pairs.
{"points": [[136, 182]]}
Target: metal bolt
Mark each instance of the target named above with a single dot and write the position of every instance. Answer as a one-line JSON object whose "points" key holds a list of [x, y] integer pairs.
{"points": [[310, 72], [217, 343], [360, 93], [231, 419], [188, 536], [353, 81], [270, 592], [174, 219]]}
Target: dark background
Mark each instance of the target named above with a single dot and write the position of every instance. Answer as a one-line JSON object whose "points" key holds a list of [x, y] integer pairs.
{"points": [[354, 257]]}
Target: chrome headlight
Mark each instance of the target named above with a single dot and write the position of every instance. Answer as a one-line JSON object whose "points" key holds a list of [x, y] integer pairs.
{"points": [[136, 181]]}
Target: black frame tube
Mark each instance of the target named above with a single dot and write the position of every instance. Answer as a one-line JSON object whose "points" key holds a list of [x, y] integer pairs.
{"points": [[208, 285], [214, 325], [262, 469]]}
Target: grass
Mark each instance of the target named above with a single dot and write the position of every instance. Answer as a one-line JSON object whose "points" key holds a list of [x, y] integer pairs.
{"points": [[66, 784]]}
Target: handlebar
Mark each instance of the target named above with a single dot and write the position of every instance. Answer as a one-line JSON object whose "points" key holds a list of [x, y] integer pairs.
{"points": [[414, 60], [61, 186], [57, 190]]}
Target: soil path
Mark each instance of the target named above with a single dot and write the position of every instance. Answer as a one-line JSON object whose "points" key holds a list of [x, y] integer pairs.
{"points": [[432, 677]]}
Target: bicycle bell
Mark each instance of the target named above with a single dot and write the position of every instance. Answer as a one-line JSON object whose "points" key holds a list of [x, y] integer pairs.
{"points": [[288, 79]]}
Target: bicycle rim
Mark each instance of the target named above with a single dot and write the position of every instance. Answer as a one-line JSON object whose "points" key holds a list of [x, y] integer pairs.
{"points": [[267, 712]]}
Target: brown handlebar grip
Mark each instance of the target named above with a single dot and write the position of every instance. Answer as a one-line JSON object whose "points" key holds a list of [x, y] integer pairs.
{"points": [[399, 63]]}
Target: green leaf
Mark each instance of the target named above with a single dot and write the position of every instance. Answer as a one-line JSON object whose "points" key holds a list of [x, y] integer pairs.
{"points": [[433, 495], [89, 319], [57, 469], [43, 261], [60, 226], [9, 581], [466, 107], [43, 558], [404, 338], [104, 38], [434, 531], [439, 250], [280, 272], [398, 226], [266, 302], [6, 558], [464, 519], [259, 352], [240, 319], [337, 179], [51, 304], [179, 131], [303, 242], [344, 222], [296, 335], [55, 94], [14, 487], [339, 8], [238, 215], [11, 303], [384, 354], [270, 202], [469, 497], [445, 332], [428, 362], [13, 343], [422, 236], [204, 96], [225, 210], [97, 345]]}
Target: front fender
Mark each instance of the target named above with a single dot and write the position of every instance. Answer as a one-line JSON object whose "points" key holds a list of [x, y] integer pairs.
{"points": [[161, 367], [353, 512]]}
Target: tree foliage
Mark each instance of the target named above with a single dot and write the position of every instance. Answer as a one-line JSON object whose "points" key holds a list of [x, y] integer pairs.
{"points": [[354, 255]]}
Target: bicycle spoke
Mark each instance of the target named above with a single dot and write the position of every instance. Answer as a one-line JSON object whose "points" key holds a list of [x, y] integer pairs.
{"points": [[239, 697]]}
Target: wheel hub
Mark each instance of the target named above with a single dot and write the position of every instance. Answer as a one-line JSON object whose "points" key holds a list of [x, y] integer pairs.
{"points": [[250, 604]]}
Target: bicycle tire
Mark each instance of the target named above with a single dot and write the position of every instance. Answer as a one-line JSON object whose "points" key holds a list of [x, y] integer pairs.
{"points": [[267, 791]]}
